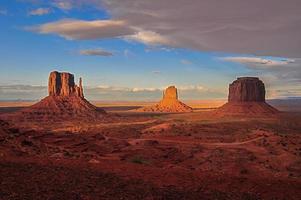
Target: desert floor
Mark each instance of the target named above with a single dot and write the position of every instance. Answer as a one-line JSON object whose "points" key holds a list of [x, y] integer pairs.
{"points": [[152, 156]]}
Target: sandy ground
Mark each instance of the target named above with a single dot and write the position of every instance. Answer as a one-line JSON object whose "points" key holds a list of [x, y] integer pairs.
{"points": [[152, 156]]}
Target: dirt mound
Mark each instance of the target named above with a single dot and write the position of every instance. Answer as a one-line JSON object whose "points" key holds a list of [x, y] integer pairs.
{"points": [[169, 103], [246, 97], [59, 107], [65, 102], [247, 108]]}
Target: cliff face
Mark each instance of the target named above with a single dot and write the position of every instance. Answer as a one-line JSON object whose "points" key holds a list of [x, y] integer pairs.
{"points": [[169, 103], [62, 84], [170, 93], [246, 97], [247, 89]]}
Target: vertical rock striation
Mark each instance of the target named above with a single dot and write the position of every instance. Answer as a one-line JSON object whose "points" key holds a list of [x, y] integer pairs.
{"points": [[246, 97], [62, 84], [65, 101], [246, 89]]}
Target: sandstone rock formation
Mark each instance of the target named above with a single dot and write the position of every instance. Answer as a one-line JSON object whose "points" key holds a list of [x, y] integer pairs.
{"points": [[65, 101], [169, 103], [246, 97], [62, 84], [246, 89]]}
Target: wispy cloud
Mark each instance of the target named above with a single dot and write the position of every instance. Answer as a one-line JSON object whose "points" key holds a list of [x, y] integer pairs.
{"points": [[185, 62], [63, 4], [3, 12], [156, 72], [40, 11], [259, 61], [150, 38], [95, 52], [85, 30]]}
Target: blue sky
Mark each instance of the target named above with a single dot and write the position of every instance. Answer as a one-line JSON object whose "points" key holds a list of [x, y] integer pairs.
{"points": [[135, 65]]}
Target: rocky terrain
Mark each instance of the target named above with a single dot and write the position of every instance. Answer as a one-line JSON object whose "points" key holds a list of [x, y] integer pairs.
{"points": [[169, 103], [60, 149], [247, 97]]}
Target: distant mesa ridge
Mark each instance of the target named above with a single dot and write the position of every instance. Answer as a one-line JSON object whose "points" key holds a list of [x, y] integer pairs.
{"points": [[246, 97], [169, 103]]}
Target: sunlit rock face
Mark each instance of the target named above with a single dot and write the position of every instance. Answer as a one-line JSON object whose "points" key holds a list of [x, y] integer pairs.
{"points": [[247, 89], [62, 84], [169, 103], [246, 97], [170, 93]]}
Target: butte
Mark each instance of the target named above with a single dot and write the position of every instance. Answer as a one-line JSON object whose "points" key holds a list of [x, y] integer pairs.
{"points": [[169, 103], [65, 101], [246, 97]]}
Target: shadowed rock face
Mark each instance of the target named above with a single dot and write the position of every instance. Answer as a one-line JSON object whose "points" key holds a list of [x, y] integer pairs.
{"points": [[247, 89], [62, 84], [169, 103], [246, 97]]}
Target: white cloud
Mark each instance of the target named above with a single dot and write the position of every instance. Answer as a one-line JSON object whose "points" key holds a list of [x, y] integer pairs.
{"points": [[185, 62], [85, 30], [95, 52], [40, 11], [63, 4], [192, 87], [259, 61], [150, 38]]}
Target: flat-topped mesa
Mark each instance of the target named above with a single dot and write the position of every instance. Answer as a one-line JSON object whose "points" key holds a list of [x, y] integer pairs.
{"points": [[246, 97], [247, 89], [62, 84]]}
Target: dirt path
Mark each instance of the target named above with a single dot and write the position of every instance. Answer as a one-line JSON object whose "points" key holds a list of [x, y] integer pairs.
{"points": [[135, 141]]}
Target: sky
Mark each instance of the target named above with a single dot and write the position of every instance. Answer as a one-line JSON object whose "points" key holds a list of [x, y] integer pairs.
{"points": [[128, 50]]}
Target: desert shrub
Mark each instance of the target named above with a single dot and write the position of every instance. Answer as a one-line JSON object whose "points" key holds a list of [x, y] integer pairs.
{"points": [[139, 160]]}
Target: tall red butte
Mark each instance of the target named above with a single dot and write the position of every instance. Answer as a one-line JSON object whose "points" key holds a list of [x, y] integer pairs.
{"points": [[246, 97], [65, 101]]}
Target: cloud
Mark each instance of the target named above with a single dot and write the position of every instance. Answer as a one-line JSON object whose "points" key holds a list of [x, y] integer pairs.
{"points": [[265, 28], [3, 12], [14, 92], [40, 11], [185, 62], [63, 4], [85, 30], [105, 92], [150, 38], [95, 52], [269, 28], [259, 61], [156, 72]]}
